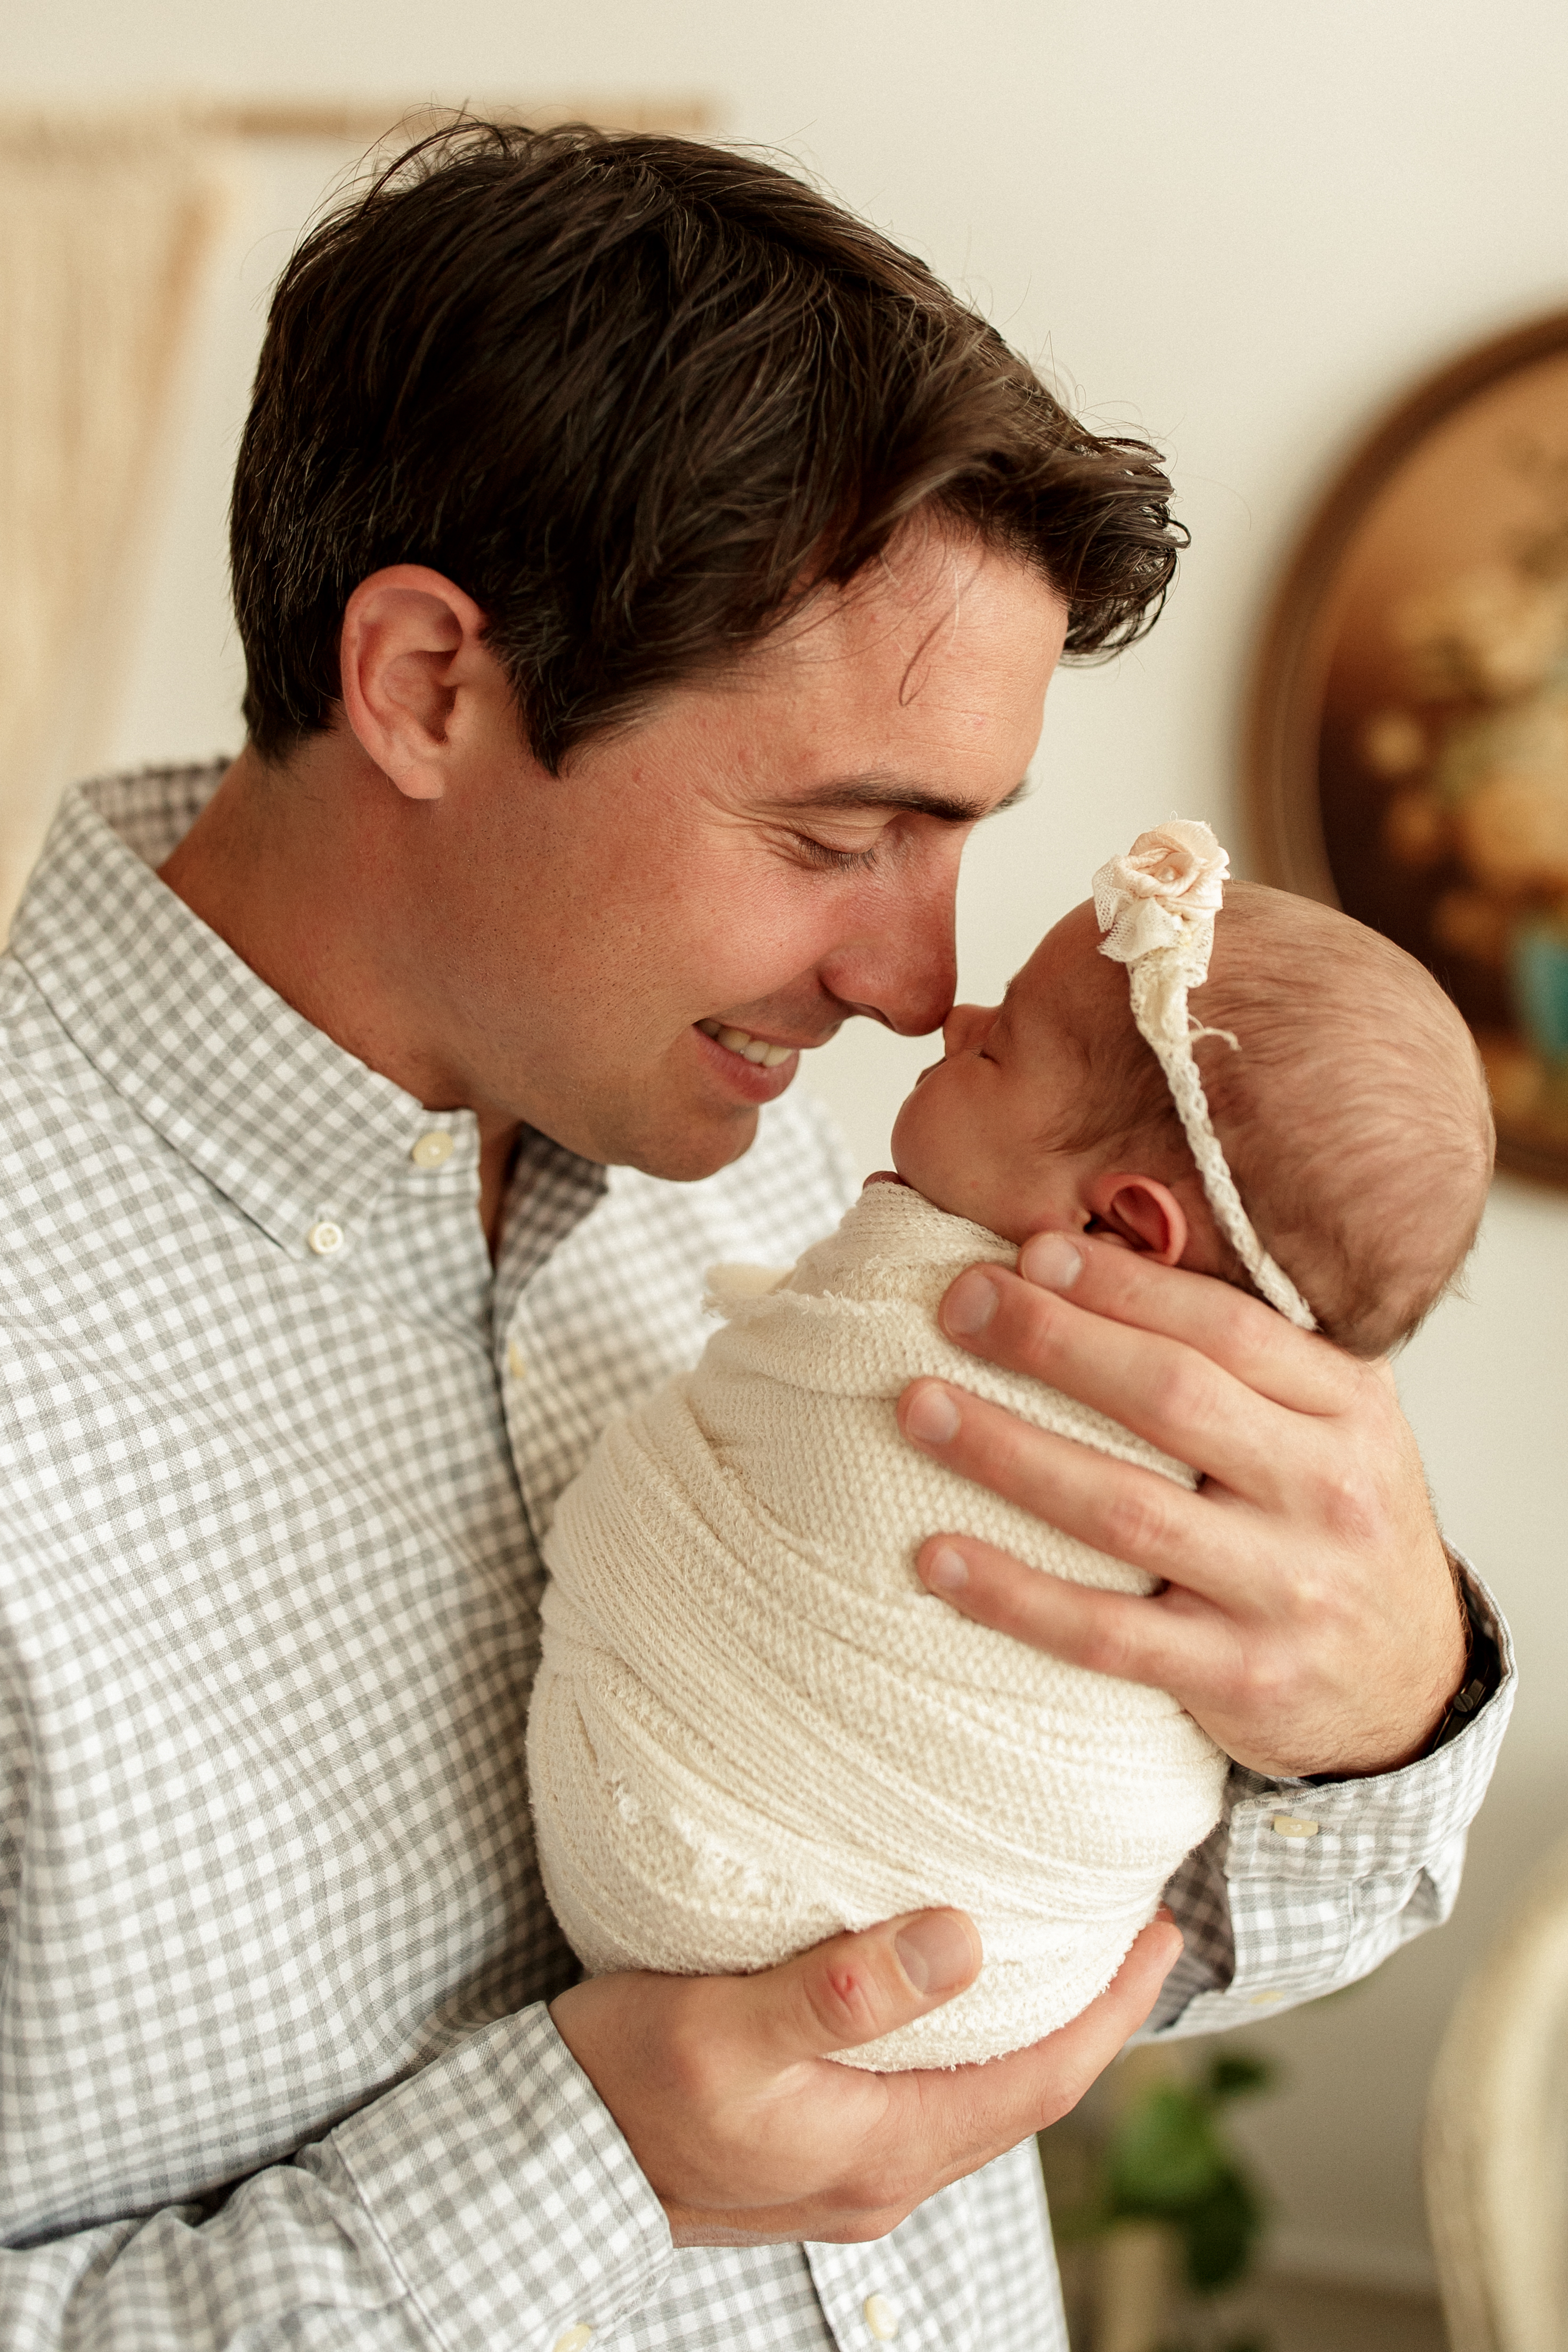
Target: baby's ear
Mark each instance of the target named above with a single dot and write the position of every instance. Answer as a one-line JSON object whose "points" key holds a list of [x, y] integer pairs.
{"points": [[1139, 1212]]}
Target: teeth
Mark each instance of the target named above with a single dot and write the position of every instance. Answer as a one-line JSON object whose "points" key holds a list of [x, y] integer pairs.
{"points": [[749, 1048]]}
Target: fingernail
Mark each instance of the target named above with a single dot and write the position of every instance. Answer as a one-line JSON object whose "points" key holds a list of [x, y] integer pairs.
{"points": [[969, 1304], [946, 1571], [931, 1415], [1050, 1262], [934, 1952]]}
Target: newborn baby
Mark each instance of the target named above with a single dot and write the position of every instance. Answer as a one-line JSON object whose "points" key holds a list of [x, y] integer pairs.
{"points": [[753, 1727]]}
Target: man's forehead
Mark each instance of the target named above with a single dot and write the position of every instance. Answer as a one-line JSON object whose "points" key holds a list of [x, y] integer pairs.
{"points": [[830, 716], [930, 614]]}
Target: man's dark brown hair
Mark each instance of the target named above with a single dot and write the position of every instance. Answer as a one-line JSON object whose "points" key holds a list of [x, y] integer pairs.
{"points": [[637, 396]]}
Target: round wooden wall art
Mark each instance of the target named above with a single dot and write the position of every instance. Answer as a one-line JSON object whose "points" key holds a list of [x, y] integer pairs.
{"points": [[1410, 737]]}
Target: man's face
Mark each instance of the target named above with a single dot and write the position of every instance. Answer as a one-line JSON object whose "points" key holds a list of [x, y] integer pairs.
{"points": [[631, 956]]}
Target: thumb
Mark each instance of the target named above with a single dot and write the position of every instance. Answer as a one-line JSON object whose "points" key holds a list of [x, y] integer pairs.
{"points": [[854, 1988]]}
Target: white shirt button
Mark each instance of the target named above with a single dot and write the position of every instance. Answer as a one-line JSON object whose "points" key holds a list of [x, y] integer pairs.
{"points": [[880, 2317], [324, 1237], [574, 2339], [1288, 1825], [434, 1150], [517, 1363]]}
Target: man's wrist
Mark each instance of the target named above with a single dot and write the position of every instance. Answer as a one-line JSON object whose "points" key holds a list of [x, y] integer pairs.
{"points": [[1483, 1675], [1479, 1678]]}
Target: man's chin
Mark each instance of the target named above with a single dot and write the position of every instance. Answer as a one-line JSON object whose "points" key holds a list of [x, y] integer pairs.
{"points": [[678, 1154], [667, 1133], [687, 1158]]}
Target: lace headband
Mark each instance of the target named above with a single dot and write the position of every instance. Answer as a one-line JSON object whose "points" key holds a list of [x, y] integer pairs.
{"points": [[1156, 908]]}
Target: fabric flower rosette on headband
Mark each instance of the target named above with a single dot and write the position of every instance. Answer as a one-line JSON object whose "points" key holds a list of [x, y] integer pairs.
{"points": [[1156, 908]]}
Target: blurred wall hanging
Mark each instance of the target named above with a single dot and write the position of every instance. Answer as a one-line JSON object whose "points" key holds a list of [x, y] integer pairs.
{"points": [[1409, 729], [108, 224]]}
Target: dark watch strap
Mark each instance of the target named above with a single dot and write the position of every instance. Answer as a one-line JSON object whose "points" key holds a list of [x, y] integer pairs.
{"points": [[1482, 1676]]}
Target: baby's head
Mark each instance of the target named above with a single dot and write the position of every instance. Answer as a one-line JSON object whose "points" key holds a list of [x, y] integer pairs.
{"points": [[1353, 1114]]}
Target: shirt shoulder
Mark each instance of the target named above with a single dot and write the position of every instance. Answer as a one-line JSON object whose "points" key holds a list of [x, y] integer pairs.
{"points": [[62, 1124], [38, 1056]]}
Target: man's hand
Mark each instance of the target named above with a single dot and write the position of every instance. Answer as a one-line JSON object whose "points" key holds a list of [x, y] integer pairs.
{"points": [[1309, 1618], [750, 2135]]}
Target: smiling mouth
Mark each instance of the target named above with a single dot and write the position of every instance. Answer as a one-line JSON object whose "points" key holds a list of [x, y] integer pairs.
{"points": [[759, 1050]]}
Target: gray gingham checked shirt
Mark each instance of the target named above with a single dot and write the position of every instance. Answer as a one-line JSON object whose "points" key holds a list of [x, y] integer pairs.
{"points": [[277, 1447]]}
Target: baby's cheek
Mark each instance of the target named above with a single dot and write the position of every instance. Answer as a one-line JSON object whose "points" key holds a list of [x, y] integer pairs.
{"points": [[926, 1138], [946, 1158], [906, 1137]]}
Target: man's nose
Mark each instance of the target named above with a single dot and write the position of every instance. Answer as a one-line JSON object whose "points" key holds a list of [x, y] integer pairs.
{"points": [[903, 971]]}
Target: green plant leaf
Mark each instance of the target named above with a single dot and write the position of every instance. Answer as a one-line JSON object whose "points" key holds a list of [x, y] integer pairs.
{"points": [[1164, 2156], [1234, 2073], [1219, 2234]]}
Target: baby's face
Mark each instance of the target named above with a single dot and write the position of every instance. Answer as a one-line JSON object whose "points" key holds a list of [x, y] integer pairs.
{"points": [[987, 1133]]}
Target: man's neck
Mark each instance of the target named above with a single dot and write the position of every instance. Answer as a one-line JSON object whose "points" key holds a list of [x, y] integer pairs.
{"points": [[286, 866]]}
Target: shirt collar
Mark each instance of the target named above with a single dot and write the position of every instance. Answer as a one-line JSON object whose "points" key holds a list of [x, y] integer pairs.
{"points": [[295, 1132]]}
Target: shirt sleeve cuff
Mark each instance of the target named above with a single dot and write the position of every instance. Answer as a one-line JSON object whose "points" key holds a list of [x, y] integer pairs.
{"points": [[1308, 1884], [503, 2193]]}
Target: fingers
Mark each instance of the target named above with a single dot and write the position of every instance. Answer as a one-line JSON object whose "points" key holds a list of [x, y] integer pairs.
{"points": [[854, 1988], [1171, 1394], [1238, 1334], [1134, 1514], [719, 2089], [950, 2121], [1079, 2053], [1005, 2101], [942, 2126], [1159, 1642]]}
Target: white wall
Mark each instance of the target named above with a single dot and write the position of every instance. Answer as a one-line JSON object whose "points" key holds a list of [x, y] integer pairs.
{"points": [[1239, 226]]}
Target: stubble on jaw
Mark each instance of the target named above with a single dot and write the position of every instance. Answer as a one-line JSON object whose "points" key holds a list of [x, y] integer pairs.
{"points": [[677, 1143]]}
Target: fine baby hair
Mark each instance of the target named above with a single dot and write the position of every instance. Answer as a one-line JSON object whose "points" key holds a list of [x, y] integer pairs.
{"points": [[1339, 1092]]}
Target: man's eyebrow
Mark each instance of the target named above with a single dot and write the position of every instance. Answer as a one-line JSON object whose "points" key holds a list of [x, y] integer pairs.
{"points": [[894, 792]]}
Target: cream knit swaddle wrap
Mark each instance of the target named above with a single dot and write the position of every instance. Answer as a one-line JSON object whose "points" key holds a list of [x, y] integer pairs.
{"points": [[753, 1728]]}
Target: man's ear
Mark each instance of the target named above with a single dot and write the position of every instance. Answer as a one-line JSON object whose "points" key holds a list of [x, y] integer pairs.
{"points": [[412, 647], [1142, 1213]]}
